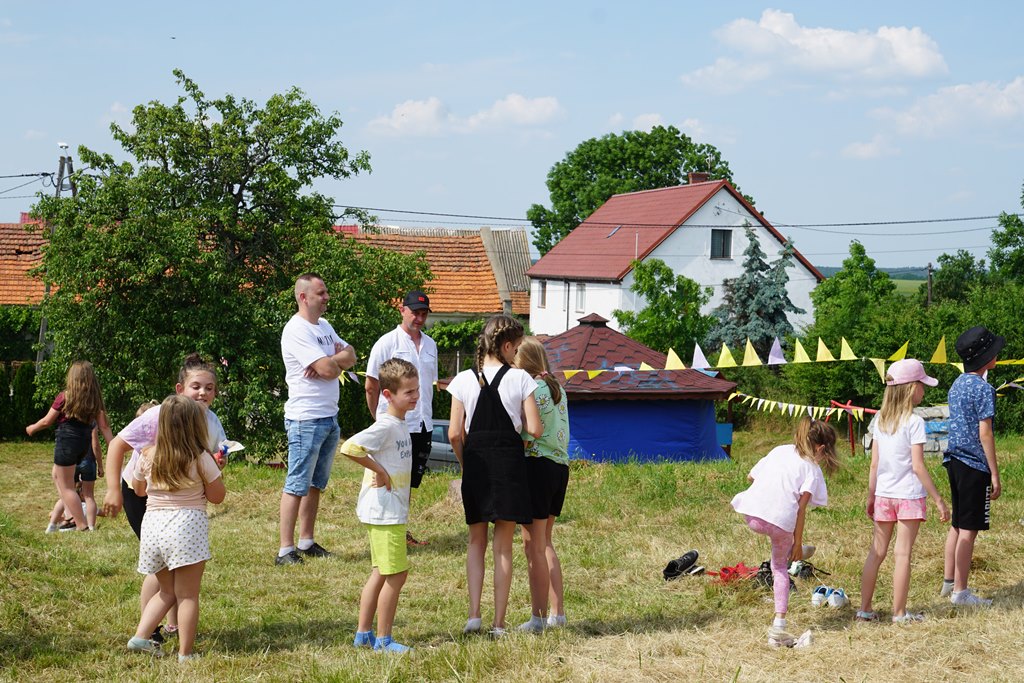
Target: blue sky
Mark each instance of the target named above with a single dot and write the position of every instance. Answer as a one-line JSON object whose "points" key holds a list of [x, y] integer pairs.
{"points": [[826, 112]]}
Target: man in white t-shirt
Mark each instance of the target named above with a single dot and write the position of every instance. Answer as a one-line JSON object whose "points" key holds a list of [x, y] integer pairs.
{"points": [[314, 358], [408, 342]]}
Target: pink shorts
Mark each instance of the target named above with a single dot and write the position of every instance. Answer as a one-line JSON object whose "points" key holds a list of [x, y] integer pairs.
{"points": [[895, 509]]}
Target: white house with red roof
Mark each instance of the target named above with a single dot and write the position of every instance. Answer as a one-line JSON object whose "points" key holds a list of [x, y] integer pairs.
{"points": [[696, 229]]}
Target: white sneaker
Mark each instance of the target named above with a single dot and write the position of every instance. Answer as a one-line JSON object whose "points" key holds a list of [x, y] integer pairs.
{"points": [[473, 625], [534, 625], [946, 590], [820, 595], [838, 599], [778, 637], [556, 620], [967, 598], [908, 618]]}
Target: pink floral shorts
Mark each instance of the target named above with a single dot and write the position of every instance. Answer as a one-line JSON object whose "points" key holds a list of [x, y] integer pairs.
{"points": [[894, 509]]}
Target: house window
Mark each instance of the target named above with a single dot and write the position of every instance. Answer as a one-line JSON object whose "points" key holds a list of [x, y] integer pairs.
{"points": [[542, 293], [721, 244], [581, 297]]}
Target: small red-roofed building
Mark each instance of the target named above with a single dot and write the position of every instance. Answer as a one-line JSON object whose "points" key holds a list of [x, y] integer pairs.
{"points": [[624, 413], [697, 229], [20, 251]]}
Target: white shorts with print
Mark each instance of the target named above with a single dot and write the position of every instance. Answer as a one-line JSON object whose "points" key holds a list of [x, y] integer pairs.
{"points": [[173, 538]]}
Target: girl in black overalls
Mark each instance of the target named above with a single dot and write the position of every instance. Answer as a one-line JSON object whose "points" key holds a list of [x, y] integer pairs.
{"points": [[497, 400]]}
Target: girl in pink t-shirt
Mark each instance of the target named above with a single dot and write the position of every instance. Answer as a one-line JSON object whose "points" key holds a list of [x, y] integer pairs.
{"points": [[898, 486], [178, 475], [784, 484]]}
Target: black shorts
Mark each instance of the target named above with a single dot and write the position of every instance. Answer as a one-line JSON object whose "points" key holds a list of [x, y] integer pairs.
{"points": [[73, 443], [134, 508], [85, 470], [970, 492], [420, 455], [548, 483]]}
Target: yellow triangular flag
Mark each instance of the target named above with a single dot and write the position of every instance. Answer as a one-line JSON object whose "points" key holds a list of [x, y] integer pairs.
{"points": [[750, 356], [940, 351], [958, 366], [591, 374], [672, 362], [823, 353], [771, 406], [726, 359], [879, 364], [859, 414], [645, 366], [845, 352], [569, 374], [901, 353], [799, 355], [342, 379], [734, 395]]}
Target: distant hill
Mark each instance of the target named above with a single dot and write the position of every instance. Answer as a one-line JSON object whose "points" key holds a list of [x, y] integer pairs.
{"points": [[901, 273]]}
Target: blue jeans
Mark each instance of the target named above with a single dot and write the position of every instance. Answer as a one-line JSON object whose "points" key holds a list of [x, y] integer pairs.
{"points": [[311, 447]]}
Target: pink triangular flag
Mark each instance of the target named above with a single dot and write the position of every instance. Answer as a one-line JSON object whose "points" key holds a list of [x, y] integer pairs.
{"points": [[775, 356], [699, 361]]}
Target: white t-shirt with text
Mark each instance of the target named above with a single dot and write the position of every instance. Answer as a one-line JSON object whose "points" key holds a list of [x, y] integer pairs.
{"points": [[388, 442], [303, 344]]}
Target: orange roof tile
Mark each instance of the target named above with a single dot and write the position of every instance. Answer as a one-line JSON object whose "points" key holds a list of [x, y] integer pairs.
{"points": [[20, 252]]}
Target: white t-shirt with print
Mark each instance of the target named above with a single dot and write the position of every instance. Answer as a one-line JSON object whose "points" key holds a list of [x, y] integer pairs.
{"points": [[398, 344], [515, 386], [780, 478], [302, 344], [895, 477], [388, 441]]}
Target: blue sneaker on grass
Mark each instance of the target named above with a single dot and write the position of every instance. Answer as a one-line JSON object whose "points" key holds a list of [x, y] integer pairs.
{"points": [[386, 644], [364, 639]]}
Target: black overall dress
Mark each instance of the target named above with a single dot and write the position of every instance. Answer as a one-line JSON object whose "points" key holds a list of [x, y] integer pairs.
{"points": [[494, 475]]}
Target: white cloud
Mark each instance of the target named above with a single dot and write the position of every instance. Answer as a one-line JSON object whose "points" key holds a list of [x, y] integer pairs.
{"points": [[516, 110], [33, 134], [117, 113], [959, 106], [413, 117], [778, 45], [876, 148], [616, 119], [693, 127], [432, 117], [647, 121]]}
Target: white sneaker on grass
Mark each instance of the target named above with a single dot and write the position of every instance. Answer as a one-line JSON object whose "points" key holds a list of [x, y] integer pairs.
{"points": [[946, 590], [838, 599], [473, 625], [908, 618], [556, 620], [779, 637], [967, 598], [534, 625]]}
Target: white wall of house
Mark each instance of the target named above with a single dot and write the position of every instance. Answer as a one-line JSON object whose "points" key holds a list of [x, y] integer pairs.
{"points": [[687, 251]]}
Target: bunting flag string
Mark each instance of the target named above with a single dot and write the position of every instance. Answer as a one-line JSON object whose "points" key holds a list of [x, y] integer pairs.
{"points": [[816, 412]]}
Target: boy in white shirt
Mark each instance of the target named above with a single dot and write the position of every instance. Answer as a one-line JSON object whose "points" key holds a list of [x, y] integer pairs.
{"points": [[385, 450]]}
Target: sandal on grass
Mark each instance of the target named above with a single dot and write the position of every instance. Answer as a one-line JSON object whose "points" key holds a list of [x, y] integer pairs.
{"points": [[867, 616]]}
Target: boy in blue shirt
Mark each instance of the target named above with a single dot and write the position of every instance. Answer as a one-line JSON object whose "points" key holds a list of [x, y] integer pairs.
{"points": [[385, 450], [970, 460]]}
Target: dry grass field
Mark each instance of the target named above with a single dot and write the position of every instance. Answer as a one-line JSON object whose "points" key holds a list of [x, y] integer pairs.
{"points": [[68, 602]]}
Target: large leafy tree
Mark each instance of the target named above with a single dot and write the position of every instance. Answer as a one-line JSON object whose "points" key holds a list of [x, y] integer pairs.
{"points": [[613, 164], [755, 305], [196, 246], [1007, 252], [956, 274], [671, 317]]}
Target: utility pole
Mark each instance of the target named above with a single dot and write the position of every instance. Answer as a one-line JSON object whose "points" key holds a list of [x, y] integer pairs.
{"points": [[64, 168], [929, 303]]}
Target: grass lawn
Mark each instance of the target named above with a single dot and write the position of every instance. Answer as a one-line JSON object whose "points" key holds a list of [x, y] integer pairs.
{"points": [[68, 602], [908, 287]]}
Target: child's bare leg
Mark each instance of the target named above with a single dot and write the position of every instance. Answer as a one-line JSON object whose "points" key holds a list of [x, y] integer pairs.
{"points": [[949, 554], [156, 607], [964, 553], [88, 488], [905, 538], [57, 515], [535, 544], [187, 580], [476, 552], [556, 591], [876, 555], [503, 532], [387, 602], [369, 599], [64, 479]]}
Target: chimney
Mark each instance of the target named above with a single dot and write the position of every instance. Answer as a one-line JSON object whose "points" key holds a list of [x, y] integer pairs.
{"points": [[698, 177]]}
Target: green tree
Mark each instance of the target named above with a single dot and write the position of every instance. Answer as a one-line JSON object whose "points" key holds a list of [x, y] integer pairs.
{"points": [[1007, 252], [844, 299], [196, 247], [956, 274], [756, 304], [613, 164], [671, 316]]}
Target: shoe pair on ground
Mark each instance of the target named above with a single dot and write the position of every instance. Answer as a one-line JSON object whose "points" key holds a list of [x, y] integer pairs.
{"points": [[685, 564], [534, 625], [382, 644], [295, 556], [779, 637], [151, 647], [826, 595], [905, 618]]}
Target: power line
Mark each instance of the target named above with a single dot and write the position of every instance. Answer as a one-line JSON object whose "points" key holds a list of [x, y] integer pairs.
{"points": [[16, 187], [27, 175]]}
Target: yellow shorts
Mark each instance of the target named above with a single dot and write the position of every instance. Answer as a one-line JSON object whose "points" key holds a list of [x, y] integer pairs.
{"points": [[387, 548]]}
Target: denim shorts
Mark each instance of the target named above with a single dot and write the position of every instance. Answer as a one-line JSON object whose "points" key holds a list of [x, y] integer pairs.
{"points": [[311, 447]]}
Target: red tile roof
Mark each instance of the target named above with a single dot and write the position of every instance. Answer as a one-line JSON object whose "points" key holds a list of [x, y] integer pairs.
{"points": [[463, 280], [630, 226], [20, 251], [592, 345]]}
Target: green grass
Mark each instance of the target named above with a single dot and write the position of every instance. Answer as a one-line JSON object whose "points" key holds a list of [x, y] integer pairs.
{"points": [[908, 287], [68, 602]]}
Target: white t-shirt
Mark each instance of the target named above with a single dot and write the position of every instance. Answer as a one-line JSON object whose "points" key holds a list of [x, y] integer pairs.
{"points": [[896, 478], [780, 478], [388, 441], [398, 344], [515, 386], [303, 344], [141, 433]]}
